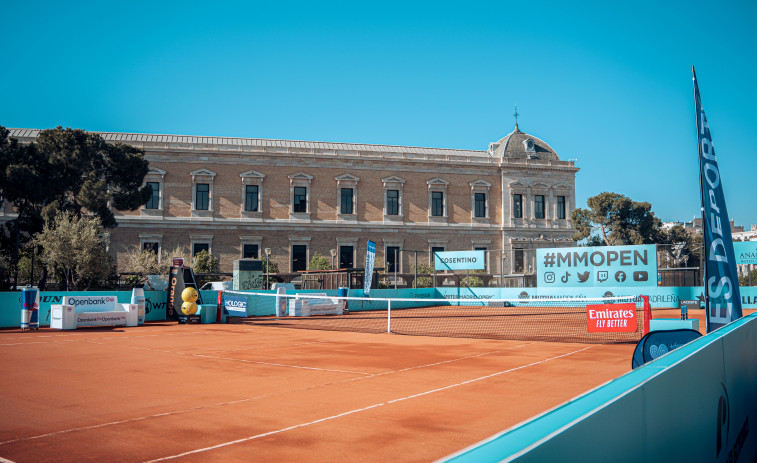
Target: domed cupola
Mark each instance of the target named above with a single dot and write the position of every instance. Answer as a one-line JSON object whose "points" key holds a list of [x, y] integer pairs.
{"points": [[520, 145]]}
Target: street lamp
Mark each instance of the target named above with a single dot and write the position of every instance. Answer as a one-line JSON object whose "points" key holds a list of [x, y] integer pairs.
{"points": [[504, 256], [267, 267], [333, 255]]}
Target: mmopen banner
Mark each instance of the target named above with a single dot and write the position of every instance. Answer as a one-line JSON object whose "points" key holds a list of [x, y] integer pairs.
{"points": [[601, 266], [722, 295]]}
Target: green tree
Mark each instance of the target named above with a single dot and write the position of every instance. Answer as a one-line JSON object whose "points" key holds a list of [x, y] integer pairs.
{"points": [[204, 262], [319, 262], [75, 246], [618, 221], [424, 282], [66, 170], [744, 279]]}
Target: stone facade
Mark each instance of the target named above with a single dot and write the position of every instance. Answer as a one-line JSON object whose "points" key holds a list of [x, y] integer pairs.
{"points": [[514, 197]]}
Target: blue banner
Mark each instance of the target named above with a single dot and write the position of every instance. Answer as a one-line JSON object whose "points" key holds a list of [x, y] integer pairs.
{"points": [[460, 260], [601, 266], [722, 295], [370, 258]]}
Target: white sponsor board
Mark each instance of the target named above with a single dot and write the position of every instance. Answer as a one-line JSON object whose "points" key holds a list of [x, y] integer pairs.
{"points": [[100, 318], [91, 303]]}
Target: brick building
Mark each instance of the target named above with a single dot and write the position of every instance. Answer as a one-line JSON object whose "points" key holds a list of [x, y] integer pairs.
{"points": [[237, 196]]}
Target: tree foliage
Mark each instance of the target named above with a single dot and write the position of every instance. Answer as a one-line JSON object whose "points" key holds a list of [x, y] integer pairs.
{"points": [[71, 170], [74, 245], [319, 262], [617, 219], [204, 262]]}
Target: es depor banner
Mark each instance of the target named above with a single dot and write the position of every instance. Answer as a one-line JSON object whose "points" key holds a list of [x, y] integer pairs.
{"points": [[600, 266]]}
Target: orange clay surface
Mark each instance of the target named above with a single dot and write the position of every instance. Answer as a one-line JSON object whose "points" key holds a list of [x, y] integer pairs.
{"points": [[247, 393]]}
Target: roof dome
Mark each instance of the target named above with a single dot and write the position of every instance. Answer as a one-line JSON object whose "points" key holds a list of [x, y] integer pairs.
{"points": [[520, 145]]}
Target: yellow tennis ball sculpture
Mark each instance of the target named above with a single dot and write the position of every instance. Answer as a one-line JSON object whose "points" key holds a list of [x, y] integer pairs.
{"points": [[189, 308], [189, 294]]}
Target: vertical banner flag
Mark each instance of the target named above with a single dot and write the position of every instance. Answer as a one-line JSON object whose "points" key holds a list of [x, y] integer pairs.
{"points": [[721, 288], [370, 258]]}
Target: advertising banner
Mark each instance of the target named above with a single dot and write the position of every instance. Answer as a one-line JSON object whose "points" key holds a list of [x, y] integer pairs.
{"points": [[100, 318], [370, 258], [235, 305], [722, 297], [601, 266], [460, 260], [746, 252], [91, 303], [611, 318]]}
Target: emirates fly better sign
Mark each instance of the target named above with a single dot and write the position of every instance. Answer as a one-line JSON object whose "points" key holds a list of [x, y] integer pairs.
{"points": [[601, 266], [611, 318]]}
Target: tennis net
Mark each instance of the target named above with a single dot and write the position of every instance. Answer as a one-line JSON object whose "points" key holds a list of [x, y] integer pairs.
{"points": [[589, 320]]}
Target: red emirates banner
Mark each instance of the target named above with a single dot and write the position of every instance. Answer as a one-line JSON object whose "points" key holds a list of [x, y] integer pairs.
{"points": [[611, 318]]}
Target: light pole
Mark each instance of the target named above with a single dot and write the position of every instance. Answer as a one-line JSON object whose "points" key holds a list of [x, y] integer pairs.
{"points": [[333, 255], [267, 267], [504, 256]]}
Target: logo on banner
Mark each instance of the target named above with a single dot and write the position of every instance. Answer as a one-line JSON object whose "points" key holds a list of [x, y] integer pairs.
{"points": [[460, 260], [235, 303], [611, 318]]}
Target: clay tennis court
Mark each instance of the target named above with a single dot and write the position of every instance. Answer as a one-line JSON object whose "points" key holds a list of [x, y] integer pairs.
{"points": [[239, 392]]}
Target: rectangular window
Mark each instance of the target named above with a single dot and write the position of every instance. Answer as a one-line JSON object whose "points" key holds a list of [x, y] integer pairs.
{"points": [[539, 206], [152, 247], [250, 251], [518, 206], [154, 201], [300, 200], [392, 257], [346, 201], [437, 203], [518, 261], [486, 260], [561, 207], [480, 205], [392, 202], [345, 257], [434, 250], [202, 199], [299, 257], [251, 198], [198, 247]]}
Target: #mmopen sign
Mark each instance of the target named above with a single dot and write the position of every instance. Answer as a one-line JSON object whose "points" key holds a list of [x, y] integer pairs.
{"points": [[602, 266], [460, 260]]}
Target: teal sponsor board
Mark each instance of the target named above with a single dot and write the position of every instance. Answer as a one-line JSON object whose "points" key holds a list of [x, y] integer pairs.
{"points": [[746, 252], [599, 266], [460, 260]]}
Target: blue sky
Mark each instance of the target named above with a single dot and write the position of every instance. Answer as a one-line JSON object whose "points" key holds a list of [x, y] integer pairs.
{"points": [[607, 83]]}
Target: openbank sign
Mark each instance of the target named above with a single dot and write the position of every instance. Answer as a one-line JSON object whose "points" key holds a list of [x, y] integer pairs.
{"points": [[597, 266]]}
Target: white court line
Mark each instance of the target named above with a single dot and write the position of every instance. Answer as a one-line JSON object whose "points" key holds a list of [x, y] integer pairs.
{"points": [[351, 412], [280, 364], [5, 460], [249, 399]]}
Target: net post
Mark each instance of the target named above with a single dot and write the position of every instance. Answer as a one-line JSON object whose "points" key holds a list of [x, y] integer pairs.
{"points": [[219, 306], [647, 314], [389, 316]]}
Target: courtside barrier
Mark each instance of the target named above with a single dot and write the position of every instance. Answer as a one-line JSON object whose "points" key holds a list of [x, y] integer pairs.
{"points": [[696, 403], [155, 301]]}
